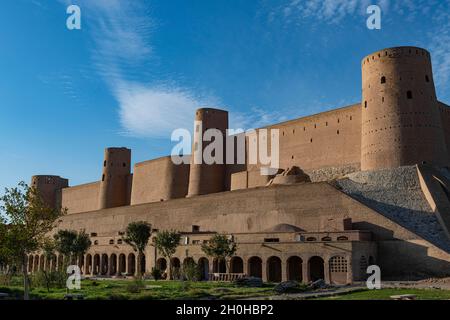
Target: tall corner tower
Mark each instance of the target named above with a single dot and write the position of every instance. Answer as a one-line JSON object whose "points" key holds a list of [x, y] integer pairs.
{"points": [[207, 178], [401, 124], [114, 185], [49, 188]]}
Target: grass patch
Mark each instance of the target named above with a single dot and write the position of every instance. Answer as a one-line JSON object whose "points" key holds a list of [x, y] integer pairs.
{"points": [[144, 290], [385, 294]]}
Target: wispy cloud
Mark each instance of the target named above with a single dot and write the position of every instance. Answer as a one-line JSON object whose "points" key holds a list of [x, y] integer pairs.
{"points": [[122, 54], [147, 111], [326, 11], [440, 49], [255, 118], [437, 40]]}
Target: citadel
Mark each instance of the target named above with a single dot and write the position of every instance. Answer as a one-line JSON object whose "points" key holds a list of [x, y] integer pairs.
{"points": [[360, 185]]}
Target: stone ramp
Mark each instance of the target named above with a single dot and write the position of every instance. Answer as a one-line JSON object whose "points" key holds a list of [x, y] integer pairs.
{"points": [[396, 194]]}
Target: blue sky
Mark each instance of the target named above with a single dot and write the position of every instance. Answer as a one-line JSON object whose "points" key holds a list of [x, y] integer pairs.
{"points": [[138, 69]]}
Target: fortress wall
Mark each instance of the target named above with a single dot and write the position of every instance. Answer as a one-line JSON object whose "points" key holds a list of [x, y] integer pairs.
{"points": [[250, 210], [207, 178], [401, 123], [81, 198], [255, 210], [328, 139], [114, 186], [159, 179], [49, 188]]}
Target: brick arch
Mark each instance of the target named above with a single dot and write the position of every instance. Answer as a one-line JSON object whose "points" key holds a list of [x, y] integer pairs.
{"points": [[274, 269], [316, 267], [294, 268], [255, 267]]}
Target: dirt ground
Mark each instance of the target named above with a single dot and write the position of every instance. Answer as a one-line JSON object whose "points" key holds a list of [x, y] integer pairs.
{"points": [[435, 283]]}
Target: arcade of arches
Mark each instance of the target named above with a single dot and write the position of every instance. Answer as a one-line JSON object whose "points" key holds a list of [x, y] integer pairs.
{"points": [[333, 269]]}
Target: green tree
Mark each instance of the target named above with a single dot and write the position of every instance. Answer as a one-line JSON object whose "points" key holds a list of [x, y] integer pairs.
{"points": [[48, 248], [29, 220], [137, 236], [220, 247], [167, 242], [72, 244]]}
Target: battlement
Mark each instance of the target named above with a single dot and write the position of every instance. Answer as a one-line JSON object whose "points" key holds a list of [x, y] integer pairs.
{"points": [[395, 53]]}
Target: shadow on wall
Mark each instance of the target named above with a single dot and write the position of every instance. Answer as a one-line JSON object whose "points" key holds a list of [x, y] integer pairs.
{"points": [[379, 233], [422, 223], [403, 260]]}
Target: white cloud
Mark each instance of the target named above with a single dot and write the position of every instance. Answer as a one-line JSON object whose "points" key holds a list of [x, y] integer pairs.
{"points": [[328, 11], [256, 118], [440, 50], [155, 111], [121, 32]]}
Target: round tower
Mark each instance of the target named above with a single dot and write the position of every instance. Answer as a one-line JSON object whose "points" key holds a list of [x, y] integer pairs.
{"points": [[401, 124], [207, 178], [114, 186], [49, 188]]}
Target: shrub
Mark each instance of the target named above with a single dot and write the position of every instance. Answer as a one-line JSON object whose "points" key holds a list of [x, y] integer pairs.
{"points": [[5, 279], [191, 271], [49, 279], [135, 286], [156, 273]]}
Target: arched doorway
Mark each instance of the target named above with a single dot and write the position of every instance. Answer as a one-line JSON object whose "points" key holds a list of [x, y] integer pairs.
{"points": [[88, 267], [255, 267], [122, 264], [338, 270], [176, 266], [60, 262], [54, 263], [30, 263], [219, 266], [161, 264], [36, 263], [274, 269], [113, 265], [104, 264], [143, 263], [187, 261], [47, 263], [96, 268], [41, 263], [294, 268], [131, 264], [237, 265], [203, 265], [316, 268]]}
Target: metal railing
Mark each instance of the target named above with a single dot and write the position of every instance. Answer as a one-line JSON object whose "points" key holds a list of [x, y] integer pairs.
{"points": [[225, 277]]}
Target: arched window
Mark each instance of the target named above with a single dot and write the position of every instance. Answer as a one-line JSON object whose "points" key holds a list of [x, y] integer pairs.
{"points": [[342, 238], [383, 79], [311, 239], [326, 239], [409, 95]]}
